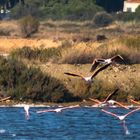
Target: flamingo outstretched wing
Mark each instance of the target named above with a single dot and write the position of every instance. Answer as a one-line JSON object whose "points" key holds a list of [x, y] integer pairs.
{"points": [[95, 100], [121, 105], [73, 74], [44, 111], [110, 95], [129, 113], [94, 65], [117, 58], [4, 99], [135, 102], [110, 113], [100, 69]]}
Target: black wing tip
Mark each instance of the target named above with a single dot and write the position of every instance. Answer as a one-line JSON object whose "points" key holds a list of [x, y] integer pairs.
{"points": [[91, 70], [117, 89]]}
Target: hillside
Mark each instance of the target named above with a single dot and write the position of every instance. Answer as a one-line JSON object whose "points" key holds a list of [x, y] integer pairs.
{"points": [[78, 45]]}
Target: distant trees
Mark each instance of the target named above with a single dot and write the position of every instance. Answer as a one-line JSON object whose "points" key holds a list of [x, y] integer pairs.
{"points": [[56, 9]]}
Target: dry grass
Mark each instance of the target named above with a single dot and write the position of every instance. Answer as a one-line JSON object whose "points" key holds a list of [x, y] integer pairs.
{"points": [[122, 76], [75, 50], [8, 44]]}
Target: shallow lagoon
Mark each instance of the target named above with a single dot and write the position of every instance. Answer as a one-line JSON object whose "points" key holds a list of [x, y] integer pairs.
{"points": [[74, 124]]}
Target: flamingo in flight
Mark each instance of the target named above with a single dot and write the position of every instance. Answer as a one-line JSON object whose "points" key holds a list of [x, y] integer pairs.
{"points": [[122, 117], [26, 108], [89, 79], [98, 61], [107, 101], [133, 101], [57, 109]]}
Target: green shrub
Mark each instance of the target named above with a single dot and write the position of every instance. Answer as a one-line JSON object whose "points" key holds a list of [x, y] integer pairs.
{"points": [[28, 26], [131, 42], [4, 32], [125, 16], [27, 83], [41, 54], [102, 19]]}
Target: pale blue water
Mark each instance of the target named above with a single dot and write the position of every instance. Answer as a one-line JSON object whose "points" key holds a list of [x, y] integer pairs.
{"points": [[75, 124]]}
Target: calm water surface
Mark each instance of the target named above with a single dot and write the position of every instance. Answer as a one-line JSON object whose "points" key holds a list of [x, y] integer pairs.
{"points": [[75, 124]]}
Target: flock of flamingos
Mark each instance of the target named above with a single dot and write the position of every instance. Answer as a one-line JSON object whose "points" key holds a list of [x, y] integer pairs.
{"points": [[107, 103]]}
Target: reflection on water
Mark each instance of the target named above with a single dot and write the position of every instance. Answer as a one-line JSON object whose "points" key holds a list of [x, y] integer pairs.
{"points": [[75, 124]]}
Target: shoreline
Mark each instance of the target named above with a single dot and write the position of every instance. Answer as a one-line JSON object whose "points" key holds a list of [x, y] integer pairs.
{"points": [[47, 104]]}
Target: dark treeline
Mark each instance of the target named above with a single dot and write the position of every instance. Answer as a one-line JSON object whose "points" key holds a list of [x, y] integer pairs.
{"points": [[108, 5], [111, 5], [56, 9], [64, 9], [7, 4]]}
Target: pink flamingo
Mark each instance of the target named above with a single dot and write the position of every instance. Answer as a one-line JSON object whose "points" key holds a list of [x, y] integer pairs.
{"points": [[133, 101], [122, 117], [89, 79], [108, 102], [98, 61], [26, 108], [57, 109]]}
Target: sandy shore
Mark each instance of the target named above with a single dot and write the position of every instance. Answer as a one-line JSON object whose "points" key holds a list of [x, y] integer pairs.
{"points": [[46, 104]]}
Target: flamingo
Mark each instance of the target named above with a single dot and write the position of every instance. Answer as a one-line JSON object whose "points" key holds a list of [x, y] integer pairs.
{"points": [[26, 108], [89, 79], [108, 102], [133, 101], [4, 99], [122, 117], [107, 98], [113, 59], [57, 109]]}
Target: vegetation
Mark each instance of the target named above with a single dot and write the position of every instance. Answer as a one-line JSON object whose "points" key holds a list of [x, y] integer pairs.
{"points": [[38, 54], [4, 32], [68, 42], [65, 9], [127, 46], [27, 83], [102, 19], [28, 26], [128, 16]]}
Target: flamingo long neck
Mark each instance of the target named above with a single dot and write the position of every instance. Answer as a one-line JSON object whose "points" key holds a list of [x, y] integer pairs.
{"points": [[27, 114], [125, 128]]}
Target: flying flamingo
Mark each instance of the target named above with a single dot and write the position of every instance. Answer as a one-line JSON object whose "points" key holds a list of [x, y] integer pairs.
{"points": [[4, 99], [26, 108], [89, 79], [133, 101], [57, 109], [107, 98], [98, 61], [107, 101], [122, 117]]}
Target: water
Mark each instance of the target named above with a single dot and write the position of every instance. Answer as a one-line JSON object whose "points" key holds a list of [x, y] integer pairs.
{"points": [[75, 124]]}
